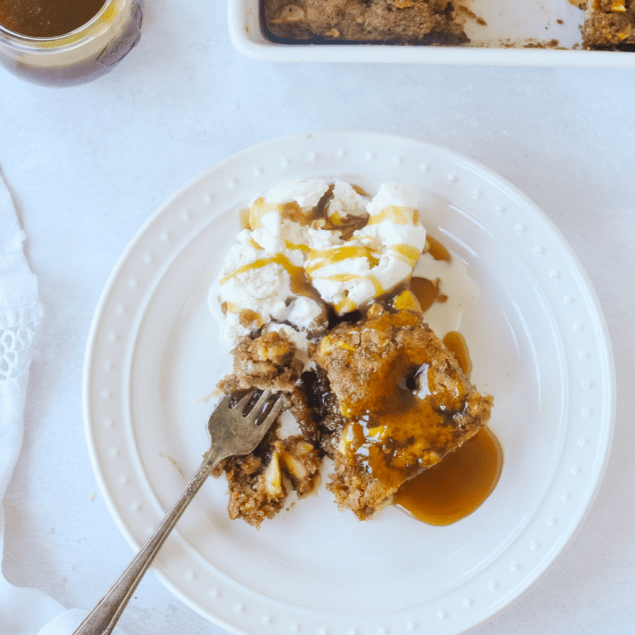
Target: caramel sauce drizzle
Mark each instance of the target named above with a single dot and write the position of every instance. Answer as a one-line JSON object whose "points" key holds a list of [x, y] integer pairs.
{"points": [[300, 283], [427, 292], [319, 258], [396, 431], [289, 211], [295, 246], [244, 218], [408, 253], [345, 306], [455, 342], [445, 491], [458, 485], [436, 249], [397, 215]]}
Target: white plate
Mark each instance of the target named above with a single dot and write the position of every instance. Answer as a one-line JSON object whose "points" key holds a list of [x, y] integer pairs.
{"points": [[539, 345], [502, 41]]}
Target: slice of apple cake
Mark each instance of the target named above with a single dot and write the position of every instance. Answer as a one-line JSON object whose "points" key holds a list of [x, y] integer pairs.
{"points": [[404, 401]]}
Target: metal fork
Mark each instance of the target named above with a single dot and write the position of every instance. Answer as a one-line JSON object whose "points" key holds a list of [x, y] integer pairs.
{"points": [[233, 432]]}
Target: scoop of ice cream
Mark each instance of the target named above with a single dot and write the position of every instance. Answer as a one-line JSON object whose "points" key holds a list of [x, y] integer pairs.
{"points": [[251, 290], [279, 220], [305, 192], [347, 201], [263, 279], [293, 250], [375, 259]]}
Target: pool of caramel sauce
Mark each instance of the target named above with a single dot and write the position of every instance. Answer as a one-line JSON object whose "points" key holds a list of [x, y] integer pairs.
{"points": [[47, 18], [456, 486], [460, 483]]}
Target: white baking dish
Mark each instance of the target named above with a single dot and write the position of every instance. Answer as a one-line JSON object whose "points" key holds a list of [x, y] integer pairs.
{"points": [[502, 41]]}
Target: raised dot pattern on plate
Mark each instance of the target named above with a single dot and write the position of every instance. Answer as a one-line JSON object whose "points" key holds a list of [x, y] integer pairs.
{"points": [[468, 185]]}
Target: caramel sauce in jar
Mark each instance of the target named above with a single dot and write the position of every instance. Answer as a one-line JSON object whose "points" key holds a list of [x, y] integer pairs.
{"points": [[456, 486], [47, 18], [64, 42]]}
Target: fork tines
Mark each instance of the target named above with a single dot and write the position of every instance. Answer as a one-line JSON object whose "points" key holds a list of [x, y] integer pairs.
{"points": [[256, 412]]}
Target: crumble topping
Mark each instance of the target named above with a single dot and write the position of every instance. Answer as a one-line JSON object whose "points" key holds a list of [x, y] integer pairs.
{"points": [[609, 24], [399, 21], [405, 401]]}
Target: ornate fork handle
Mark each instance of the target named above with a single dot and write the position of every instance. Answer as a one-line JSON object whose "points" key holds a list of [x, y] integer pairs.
{"points": [[103, 618]]}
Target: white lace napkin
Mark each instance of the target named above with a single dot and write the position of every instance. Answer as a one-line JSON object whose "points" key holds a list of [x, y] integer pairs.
{"points": [[22, 611]]}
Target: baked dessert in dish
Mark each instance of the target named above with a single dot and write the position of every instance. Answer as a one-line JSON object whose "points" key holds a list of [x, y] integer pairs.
{"points": [[608, 24], [319, 302], [389, 21]]}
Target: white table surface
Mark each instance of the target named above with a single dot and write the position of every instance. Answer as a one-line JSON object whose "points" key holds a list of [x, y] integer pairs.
{"points": [[88, 165]]}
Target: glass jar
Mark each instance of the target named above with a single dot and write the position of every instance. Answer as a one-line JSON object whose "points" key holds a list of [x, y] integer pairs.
{"points": [[79, 56]]}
